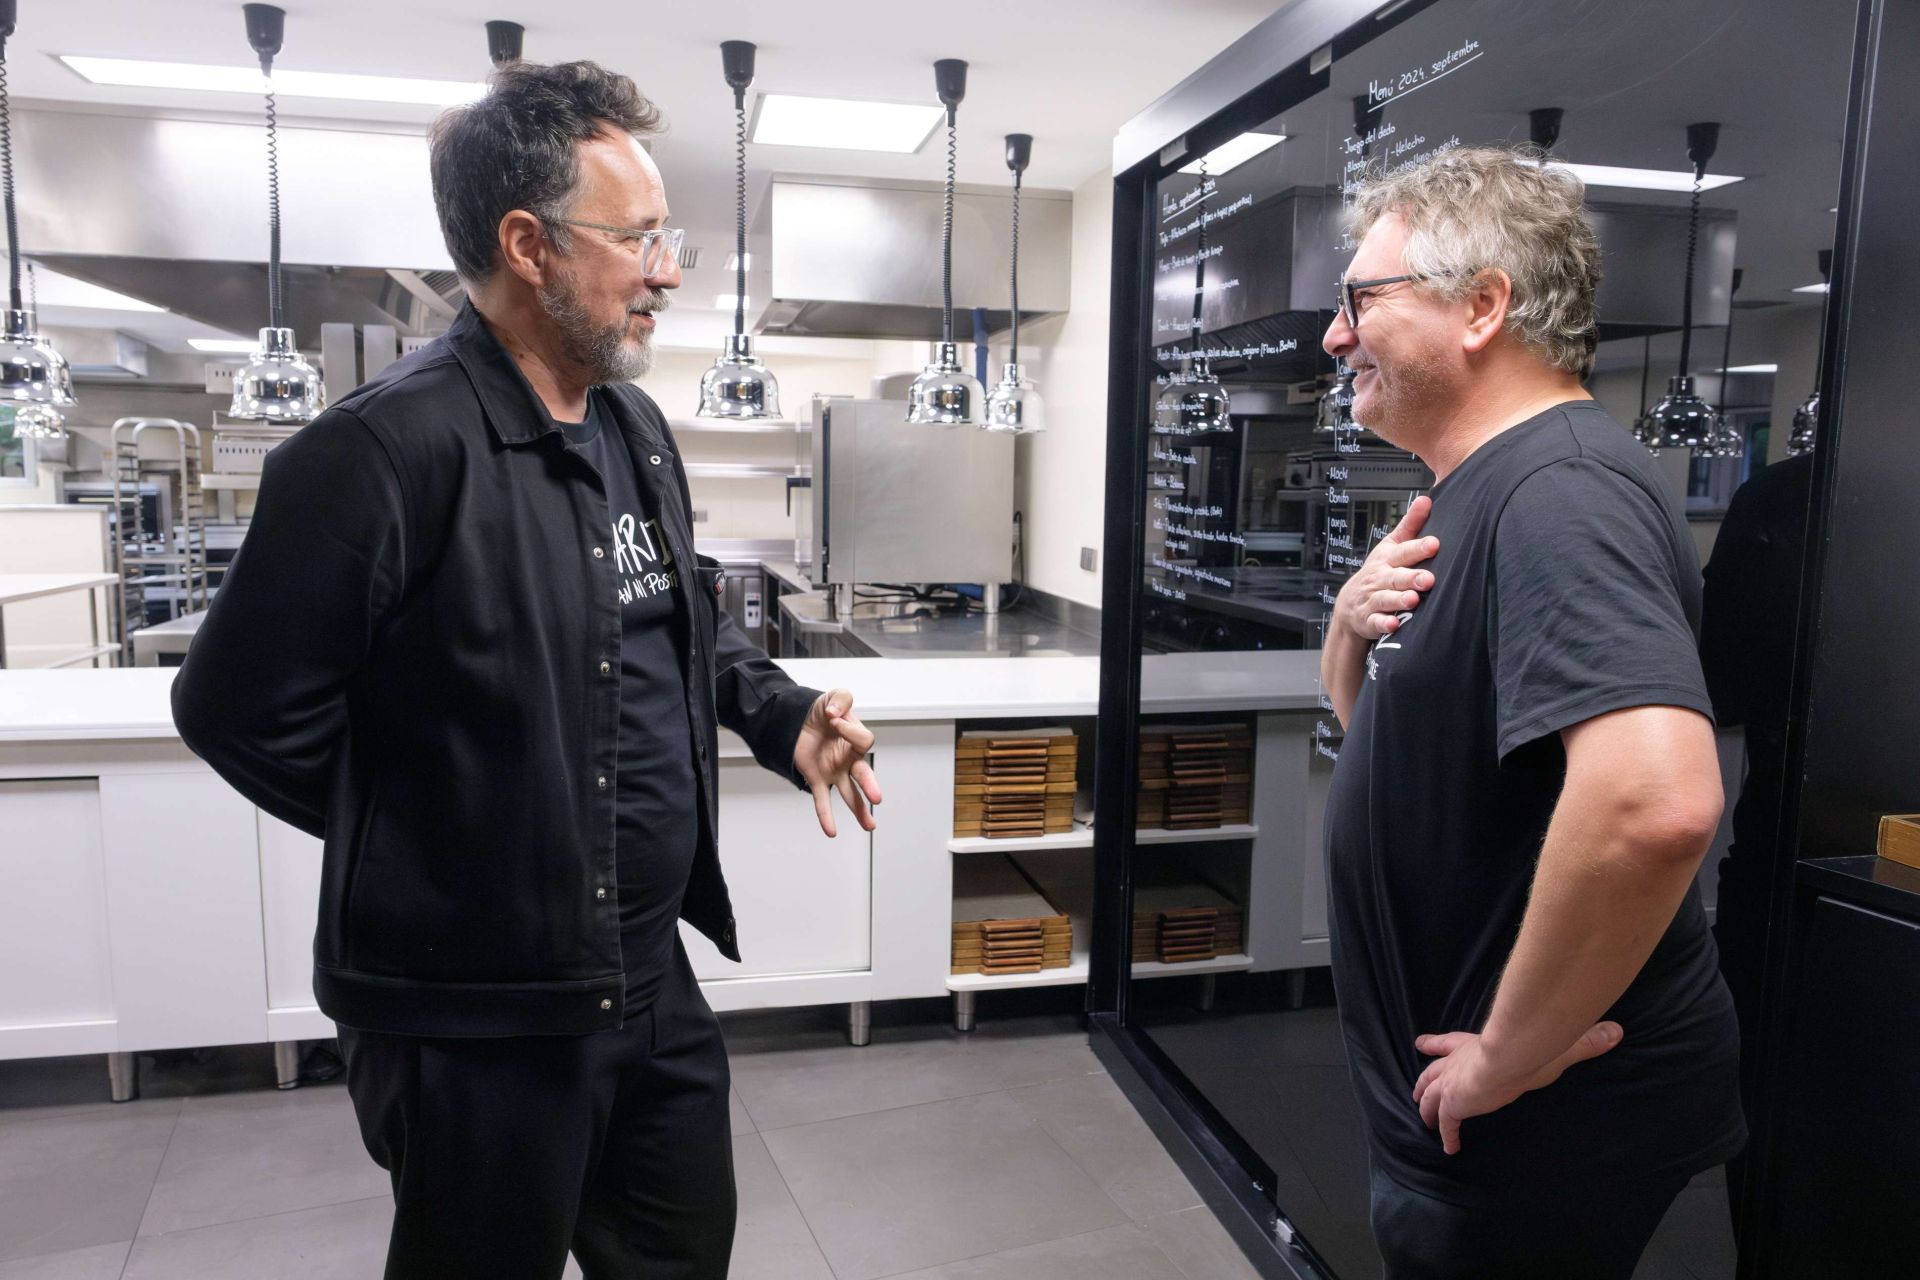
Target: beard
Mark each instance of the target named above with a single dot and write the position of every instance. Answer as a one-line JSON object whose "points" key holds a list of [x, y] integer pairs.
{"points": [[1402, 393], [603, 352]]}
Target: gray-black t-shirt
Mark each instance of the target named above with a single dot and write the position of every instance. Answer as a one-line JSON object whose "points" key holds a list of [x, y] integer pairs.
{"points": [[656, 793], [1566, 586]]}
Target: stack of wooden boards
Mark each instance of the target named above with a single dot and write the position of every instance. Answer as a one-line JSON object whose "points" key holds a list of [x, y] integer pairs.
{"points": [[1184, 921], [1001, 922], [1014, 783], [1194, 776], [1178, 916], [1900, 838]]}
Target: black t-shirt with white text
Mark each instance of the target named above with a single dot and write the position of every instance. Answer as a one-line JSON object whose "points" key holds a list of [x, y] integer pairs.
{"points": [[1566, 586], [656, 824]]}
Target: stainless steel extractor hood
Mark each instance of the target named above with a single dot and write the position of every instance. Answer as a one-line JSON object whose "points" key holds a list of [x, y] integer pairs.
{"points": [[860, 258], [233, 295]]}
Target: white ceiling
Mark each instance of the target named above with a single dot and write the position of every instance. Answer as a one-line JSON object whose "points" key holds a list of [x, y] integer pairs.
{"points": [[1069, 72]]}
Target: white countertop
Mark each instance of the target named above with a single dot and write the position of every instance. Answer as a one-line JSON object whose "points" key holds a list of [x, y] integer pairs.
{"points": [[131, 702]]}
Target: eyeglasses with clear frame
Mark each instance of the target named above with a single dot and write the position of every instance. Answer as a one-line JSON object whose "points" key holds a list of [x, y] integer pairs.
{"points": [[658, 247], [1349, 303]]}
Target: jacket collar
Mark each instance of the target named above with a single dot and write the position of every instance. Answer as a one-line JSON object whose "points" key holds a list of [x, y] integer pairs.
{"points": [[514, 412]]}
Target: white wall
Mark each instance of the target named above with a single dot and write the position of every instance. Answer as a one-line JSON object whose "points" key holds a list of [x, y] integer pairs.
{"points": [[1060, 474]]}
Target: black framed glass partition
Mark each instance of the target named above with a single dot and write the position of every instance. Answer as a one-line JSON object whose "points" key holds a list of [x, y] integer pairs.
{"points": [[1240, 494]]}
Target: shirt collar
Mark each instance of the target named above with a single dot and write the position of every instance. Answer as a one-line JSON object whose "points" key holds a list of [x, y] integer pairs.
{"points": [[514, 412]]}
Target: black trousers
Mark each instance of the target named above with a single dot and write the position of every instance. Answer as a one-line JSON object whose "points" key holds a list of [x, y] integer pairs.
{"points": [[1595, 1231], [507, 1153]]}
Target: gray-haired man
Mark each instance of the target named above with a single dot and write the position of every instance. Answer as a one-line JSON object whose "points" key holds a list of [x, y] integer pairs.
{"points": [[1543, 1047]]}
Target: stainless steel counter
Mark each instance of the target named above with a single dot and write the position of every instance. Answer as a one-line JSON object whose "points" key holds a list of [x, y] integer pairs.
{"points": [[1011, 633]]}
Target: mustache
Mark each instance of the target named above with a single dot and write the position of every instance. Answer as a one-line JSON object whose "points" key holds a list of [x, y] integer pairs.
{"points": [[652, 301]]}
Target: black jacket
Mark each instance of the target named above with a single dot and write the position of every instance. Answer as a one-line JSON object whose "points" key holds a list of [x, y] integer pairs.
{"points": [[416, 657]]}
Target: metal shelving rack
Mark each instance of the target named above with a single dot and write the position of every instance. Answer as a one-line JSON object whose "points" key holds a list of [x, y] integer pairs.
{"points": [[168, 559]]}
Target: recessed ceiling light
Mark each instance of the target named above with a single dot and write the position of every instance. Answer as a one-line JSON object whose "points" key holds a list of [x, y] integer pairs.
{"points": [[1751, 368], [1234, 152], [1812, 288], [139, 74], [786, 120], [1607, 175], [223, 346], [51, 289]]}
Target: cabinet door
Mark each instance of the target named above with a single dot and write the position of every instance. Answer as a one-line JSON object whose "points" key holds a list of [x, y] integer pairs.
{"points": [[183, 876], [289, 906], [803, 903], [56, 966]]}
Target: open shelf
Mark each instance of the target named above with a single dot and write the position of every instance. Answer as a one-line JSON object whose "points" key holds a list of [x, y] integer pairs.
{"points": [[1078, 969], [1081, 837]]}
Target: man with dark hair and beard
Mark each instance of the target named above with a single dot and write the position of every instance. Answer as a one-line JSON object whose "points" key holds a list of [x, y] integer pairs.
{"points": [[467, 643]]}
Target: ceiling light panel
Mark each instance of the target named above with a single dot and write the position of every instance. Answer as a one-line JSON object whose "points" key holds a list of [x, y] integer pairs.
{"points": [[784, 120], [223, 346], [1812, 288], [1234, 152], [135, 73], [1607, 175], [1752, 368]]}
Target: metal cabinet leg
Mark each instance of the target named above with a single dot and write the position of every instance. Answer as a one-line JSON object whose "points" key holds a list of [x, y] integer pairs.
{"points": [[963, 1010], [860, 1023], [123, 1075], [1208, 984], [286, 1063], [1296, 988]]}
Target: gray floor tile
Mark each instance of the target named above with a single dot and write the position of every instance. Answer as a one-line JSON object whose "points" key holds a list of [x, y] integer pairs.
{"points": [[1200, 1246], [77, 1180], [99, 1262], [1099, 1128], [335, 1242], [772, 1241], [1116, 1253], [741, 1117], [903, 1067], [246, 1155], [925, 1185]]}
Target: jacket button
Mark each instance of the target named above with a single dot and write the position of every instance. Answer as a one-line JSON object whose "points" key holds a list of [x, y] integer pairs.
{"points": [[605, 667], [598, 553], [601, 781], [605, 1005], [655, 459], [601, 894]]}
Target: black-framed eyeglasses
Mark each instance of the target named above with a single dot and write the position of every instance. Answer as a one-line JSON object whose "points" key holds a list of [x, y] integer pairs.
{"points": [[658, 246], [1349, 303]]}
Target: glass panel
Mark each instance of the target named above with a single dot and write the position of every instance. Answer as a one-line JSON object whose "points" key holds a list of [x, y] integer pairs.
{"points": [[1262, 496]]}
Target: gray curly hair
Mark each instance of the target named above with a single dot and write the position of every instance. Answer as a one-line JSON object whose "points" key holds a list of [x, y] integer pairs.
{"points": [[1476, 209]]}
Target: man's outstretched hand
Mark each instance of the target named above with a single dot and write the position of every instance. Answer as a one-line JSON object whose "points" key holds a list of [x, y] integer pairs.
{"points": [[832, 756]]}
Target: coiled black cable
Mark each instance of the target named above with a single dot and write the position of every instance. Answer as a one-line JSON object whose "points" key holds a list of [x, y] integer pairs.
{"points": [[6, 177], [274, 312], [946, 236], [740, 212], [1013, 344], [1686, 303]]}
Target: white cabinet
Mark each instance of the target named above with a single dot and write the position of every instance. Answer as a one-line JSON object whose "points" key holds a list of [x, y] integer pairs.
{"points": [[183, 905], [289, 908], [803, 903], [56, 962]]}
